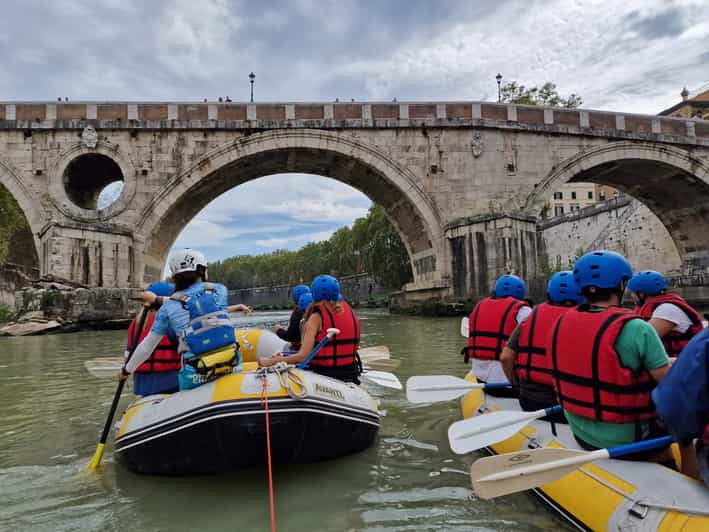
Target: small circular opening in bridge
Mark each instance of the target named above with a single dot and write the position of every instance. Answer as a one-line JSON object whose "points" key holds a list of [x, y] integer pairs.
{"points": [[93, 181]]}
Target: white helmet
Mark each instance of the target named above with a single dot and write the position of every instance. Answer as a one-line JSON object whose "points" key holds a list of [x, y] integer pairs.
{"points": [[186, 260]]}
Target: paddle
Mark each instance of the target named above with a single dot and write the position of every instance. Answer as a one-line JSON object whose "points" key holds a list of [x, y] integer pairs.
{"points": [[375, 352], [512, 472], [332, 331], [376, 357], [98, 454], [465, 327], [382, 378], [476, 433], [434, 388]]}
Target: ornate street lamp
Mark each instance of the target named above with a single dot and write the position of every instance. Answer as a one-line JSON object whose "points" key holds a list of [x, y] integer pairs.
{"points": [[252, 77], [499, 93]]}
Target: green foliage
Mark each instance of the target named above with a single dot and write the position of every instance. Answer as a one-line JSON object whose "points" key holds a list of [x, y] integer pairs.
{"points": [[547, 94], [372, 245], [12, 222], [5, 314]]}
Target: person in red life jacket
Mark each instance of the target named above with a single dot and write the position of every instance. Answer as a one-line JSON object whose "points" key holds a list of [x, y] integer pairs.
{"points": [[682, 401], [292, 333], [606, 361], [490, 324], [672, 317], [158, 374], [525, 358], [339, 357]]}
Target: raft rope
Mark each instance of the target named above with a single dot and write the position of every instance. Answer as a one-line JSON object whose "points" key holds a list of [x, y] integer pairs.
{"points": [[264, 402], [645, 502]]}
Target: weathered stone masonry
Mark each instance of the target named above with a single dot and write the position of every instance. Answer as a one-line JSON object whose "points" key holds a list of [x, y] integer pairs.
{"points": [[463, 182]]}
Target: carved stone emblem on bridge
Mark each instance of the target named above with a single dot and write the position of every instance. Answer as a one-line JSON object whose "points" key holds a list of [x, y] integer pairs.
{"points": [[89, 137], [477, 144]]}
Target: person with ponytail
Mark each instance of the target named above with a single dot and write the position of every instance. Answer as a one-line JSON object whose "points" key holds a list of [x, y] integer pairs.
{"points": [[339, 358]]}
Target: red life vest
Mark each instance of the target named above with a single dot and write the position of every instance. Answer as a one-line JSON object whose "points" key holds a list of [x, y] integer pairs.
{"points": [[165, 356], [342, 349], [490, 324], [589, 377], [673, 341], [533, 364]]}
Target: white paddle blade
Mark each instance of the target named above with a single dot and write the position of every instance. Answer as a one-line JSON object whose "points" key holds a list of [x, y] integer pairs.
{"points": [[382, 378], [464, 327], [104, 367], [382, 364], [479, 432], [434, 388], [378, 352], [526, 470]]}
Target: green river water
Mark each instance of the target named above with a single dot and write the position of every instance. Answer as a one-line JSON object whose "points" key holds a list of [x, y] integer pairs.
{"points": [[52, 412]]}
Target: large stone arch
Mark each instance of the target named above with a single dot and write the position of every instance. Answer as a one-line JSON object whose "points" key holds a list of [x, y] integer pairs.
{"points": [[341, 157], [671, 181], [31, 208]]}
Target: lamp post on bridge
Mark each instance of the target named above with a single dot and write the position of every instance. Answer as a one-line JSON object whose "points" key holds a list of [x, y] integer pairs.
{"points": [[252, 77], [499, 81]]}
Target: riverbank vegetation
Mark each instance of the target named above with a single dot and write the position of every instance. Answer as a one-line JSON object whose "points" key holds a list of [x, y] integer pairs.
{"points": [[371, 245]]}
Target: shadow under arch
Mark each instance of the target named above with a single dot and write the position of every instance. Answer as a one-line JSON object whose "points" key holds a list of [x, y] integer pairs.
{"points": [[325, 153], [670, 181], [25, 249]]}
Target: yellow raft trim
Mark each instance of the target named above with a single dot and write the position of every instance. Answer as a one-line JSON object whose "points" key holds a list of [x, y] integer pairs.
{"points": [[573, 492], [228, 388], [248, 343]]}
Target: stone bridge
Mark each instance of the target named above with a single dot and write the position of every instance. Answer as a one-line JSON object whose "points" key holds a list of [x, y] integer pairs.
{"points": [[463, 182]]}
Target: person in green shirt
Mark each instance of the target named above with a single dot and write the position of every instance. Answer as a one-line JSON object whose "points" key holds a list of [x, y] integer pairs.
{"points": [[626, 353]]}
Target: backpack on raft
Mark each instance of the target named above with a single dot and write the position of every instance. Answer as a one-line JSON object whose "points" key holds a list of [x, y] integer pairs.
{"points": [[208, 344]]}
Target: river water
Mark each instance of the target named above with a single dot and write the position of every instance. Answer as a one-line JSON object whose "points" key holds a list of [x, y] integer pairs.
{"points": [[52, 412]]}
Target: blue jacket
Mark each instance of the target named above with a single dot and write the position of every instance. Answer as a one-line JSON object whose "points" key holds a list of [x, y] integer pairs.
{"points": [[682, 398]]}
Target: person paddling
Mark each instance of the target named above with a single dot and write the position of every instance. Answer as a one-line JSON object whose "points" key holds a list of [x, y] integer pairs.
{"points": [[339, 358], [605, 360], [525, 359], [292, 333], [675, 320], [490, 324], [682, 401], [196, 315], [158, 374]]}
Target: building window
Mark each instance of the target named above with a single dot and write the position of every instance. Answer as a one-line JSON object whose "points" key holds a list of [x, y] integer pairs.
{"points": [[602, 196], [590, 194], [574, 207], [573, 195], [558, 210], [558, 195]]}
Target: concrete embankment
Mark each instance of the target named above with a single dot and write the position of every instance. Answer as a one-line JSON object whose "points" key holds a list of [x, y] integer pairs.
{"points": [[60, 308]]}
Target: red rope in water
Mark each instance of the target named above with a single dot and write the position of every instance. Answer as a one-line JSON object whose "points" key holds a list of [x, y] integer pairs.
{"points": [[264, 402]]}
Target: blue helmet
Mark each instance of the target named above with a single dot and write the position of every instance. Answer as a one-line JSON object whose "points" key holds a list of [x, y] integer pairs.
{"points": [[325, 288], [562, 287], [305, 300], [510, 285], [602, 269], [162, 288], [299, 291], [649, 281]]}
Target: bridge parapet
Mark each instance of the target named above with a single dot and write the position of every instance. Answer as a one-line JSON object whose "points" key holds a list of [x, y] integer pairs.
{"points": [[338, 115]]}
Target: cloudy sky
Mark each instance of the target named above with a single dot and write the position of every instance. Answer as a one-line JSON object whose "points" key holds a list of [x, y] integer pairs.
{"points": [[633, 56]]}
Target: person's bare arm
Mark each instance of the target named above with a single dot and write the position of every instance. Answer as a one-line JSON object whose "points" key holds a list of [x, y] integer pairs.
{"points": [[659, 373], [508, 357], [663, 327], [310, 331]]}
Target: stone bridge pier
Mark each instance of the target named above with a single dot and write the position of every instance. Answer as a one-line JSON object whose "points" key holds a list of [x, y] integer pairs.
{"points": [[463, 182]]}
